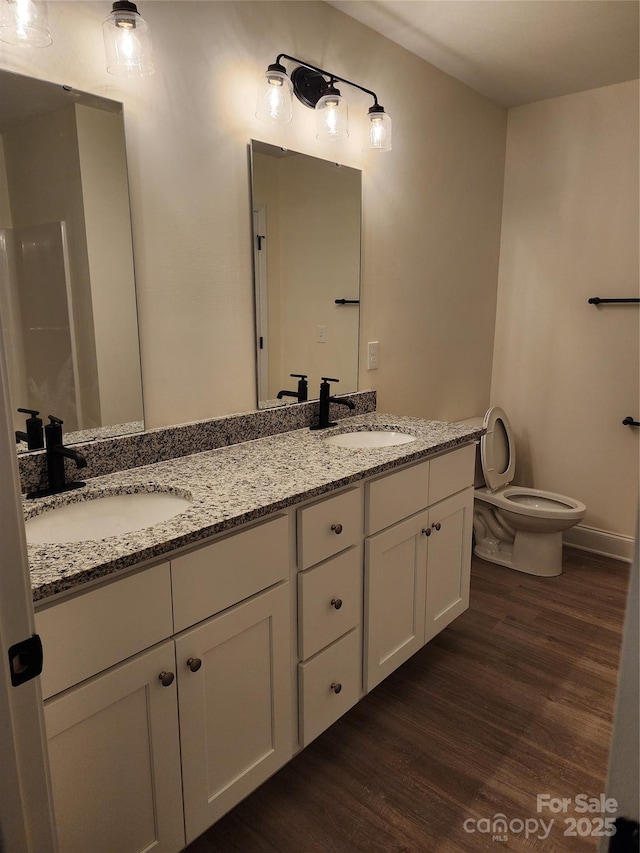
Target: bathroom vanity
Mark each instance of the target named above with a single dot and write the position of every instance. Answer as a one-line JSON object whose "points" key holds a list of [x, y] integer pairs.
{"points": [[186, 663]]}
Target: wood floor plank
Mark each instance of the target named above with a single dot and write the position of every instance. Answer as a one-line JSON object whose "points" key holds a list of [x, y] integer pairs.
{"points": [[514, 699]]}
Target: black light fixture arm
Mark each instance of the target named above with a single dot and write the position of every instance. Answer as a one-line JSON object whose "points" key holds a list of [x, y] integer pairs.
{"points": [[333, 77]]}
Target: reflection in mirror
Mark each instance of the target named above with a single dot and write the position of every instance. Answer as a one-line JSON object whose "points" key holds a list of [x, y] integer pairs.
{"points": [[306, 238], [67, 290]]}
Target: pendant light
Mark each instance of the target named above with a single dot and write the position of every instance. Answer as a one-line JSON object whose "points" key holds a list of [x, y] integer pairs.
{"points": [[275, 96], [332, 115], [25, 23], [379, 129], [127, 41]]}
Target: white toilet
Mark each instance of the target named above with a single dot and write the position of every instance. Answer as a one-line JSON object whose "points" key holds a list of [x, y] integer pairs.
{"points": [[516, 526]]}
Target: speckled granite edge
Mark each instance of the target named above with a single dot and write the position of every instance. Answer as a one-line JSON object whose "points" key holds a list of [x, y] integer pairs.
{"points": [[231, 486], [105, 456]]}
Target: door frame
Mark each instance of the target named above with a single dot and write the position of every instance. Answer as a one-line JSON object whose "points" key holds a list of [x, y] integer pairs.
{"points": [[26, 807]]}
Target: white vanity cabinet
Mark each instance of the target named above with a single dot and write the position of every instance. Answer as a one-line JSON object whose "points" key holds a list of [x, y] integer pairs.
{"points": [[329, 553], [170, 691], [417, 557], [205, 711]]}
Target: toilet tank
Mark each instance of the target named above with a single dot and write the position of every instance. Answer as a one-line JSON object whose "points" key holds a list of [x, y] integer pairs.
{"points": [[478, 479]]}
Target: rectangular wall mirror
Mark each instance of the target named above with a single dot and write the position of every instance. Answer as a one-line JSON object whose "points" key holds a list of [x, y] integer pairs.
{"points": [[67, 289], [306, 239]]}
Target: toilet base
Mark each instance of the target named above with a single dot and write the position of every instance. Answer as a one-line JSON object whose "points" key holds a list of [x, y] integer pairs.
{"points": [[532, 553]]}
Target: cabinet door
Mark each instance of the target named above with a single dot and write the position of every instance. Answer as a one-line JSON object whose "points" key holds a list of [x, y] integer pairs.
{"points": [[395, 589], [448, 561], [115, 760], [234, 677]]}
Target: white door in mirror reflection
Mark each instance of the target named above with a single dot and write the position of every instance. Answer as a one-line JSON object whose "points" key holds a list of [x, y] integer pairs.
{"points": [[260, 249]]}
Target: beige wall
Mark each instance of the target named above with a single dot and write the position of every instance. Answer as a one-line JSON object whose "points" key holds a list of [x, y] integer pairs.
{"points": [[565, 371], [431, 215]]}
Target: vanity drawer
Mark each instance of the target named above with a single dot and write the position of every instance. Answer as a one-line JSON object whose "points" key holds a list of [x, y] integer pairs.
{"points": [[328, 527], [84, 635], [221, 574], [337, 668], [393, 497], [329, 601], [451, 473]]}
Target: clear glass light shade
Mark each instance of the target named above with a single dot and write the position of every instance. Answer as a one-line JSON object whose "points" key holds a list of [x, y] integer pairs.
{"points": [[275, 98], [332, 118], [127, 44], [24, 22], [378, 131]]}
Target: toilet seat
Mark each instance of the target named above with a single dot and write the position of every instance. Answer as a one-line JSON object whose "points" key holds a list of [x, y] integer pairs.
{"points": [[497, 450], [536, 503]]}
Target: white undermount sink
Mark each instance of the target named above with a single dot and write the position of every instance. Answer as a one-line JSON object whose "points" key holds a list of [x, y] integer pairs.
{"points": [[103, 516], [369, 438]]}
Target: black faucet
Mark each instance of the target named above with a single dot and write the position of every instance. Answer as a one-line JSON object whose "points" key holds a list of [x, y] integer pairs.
{"points": [[325, 400], [34, 436], [302, 392], [56, 453]]}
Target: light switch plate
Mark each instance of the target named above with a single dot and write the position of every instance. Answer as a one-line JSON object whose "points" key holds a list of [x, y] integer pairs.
{"points": [[373, 355]]}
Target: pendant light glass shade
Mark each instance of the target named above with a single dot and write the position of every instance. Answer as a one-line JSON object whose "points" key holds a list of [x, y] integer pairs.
{"points": [[332, 117], [24, 22], [275, 96], [127, 41], [378, 129]]}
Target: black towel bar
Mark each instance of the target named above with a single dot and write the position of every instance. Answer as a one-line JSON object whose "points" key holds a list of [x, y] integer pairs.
{"points": [[596, 300], [629, 421]]}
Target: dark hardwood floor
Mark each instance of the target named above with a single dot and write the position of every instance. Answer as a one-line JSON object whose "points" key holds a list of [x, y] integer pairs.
{"points": [[514, 699]]}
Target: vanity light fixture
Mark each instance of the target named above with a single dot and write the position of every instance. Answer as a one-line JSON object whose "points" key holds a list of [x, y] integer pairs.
{"points": [[25, 23], [312, 88], [127, 41]]}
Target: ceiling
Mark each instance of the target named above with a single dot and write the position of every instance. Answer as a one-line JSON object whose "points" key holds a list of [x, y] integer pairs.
{"points": [[514, 51]]}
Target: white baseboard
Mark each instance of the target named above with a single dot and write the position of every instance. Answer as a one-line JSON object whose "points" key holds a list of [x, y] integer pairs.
{"points": [[600, 542]]}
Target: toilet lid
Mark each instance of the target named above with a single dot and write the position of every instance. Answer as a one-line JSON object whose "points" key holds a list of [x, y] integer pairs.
{"points": [[497, 450]]}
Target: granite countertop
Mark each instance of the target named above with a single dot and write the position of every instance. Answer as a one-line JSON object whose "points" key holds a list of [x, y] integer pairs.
{"points": [[228, 487]]}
